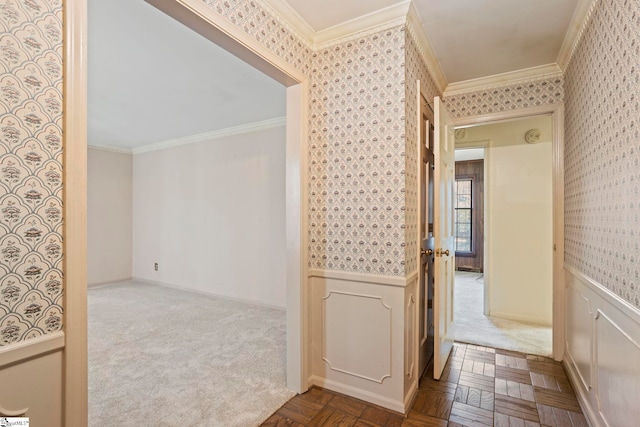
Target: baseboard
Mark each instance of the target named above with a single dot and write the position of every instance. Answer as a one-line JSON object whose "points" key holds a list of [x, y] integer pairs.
{"points": [[588, 412], [519, 318], [108, 282], [208, 294], [411, 396], [357, 393]]}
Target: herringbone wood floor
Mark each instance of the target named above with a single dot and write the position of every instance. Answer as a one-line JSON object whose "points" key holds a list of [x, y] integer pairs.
{"points": [[480, 387]]}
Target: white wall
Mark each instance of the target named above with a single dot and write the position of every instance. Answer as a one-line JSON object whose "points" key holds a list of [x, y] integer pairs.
{"points": [[212, 215], [109, 215], [519, 203]]}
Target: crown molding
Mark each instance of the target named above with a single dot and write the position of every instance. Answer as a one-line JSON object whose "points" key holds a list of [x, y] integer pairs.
{"points": [[579, 21], [371, 22], [111, 148], [281, 10], [416, 30], [504, 79], [208, 136]]}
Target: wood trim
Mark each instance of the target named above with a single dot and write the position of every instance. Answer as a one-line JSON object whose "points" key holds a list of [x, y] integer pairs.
{"points": [[31, 348], [359, 393], [399, 281], [75, 366], [557, 114]]}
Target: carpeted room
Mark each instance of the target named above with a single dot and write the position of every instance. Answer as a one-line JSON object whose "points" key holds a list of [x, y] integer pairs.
{"points": [[186, 177]]}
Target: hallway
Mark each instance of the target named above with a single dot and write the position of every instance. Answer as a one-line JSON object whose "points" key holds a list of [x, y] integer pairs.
{"points": [[472, 326], [480, 387]]}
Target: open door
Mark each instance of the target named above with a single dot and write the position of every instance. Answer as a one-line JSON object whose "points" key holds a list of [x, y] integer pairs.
{"points": [[444, 263], [427, 248]]}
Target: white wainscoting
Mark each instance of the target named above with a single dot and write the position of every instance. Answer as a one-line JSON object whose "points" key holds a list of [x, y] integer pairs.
{"points": [[31, 379], [602, 354], [363, 337]]}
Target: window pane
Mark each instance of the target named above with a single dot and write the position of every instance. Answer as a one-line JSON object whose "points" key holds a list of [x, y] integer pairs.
{"points": [[464, 203]]}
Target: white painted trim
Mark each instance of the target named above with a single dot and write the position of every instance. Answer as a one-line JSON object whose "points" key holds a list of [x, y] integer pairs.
{"points": [[285, 14], [398, 281], [519, 318], [75, 359], [379, 20], [210, 136], [35, 347], [524, 76], [583, 398], [416, 30], [579, 21], [358, 393], [195, 291], [411, 396], [559, 294], [111, 148], [631, 311], [107, 283]]}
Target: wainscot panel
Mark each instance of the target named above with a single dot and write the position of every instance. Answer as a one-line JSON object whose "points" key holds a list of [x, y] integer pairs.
{"points": [[363, 337], [602, 352]]}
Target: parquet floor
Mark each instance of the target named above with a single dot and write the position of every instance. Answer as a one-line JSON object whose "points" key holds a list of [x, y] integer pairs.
{"points": [[480, 387]]}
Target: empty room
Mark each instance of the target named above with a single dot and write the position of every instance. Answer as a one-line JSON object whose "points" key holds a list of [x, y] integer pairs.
{"points": [[186, 226]]}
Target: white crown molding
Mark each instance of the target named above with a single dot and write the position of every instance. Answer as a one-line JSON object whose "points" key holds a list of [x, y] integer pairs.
{"points": [[378, 20], [579, 22], [504, 79], [281, 10], [111, 148], [216, 134], [416, 30]]}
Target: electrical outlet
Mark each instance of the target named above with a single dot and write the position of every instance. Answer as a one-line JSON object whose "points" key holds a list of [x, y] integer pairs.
{"points": [[155, 266]]}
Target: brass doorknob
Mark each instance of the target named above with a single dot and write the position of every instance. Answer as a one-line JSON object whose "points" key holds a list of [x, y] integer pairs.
{"points": [[440, 252], [427, 252]]}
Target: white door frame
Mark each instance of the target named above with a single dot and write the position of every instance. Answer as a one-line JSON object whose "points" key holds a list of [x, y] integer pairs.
{"points": [[205, 21], [557, 115]]}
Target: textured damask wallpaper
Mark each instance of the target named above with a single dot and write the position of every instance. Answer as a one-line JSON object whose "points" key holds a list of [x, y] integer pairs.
{"points": [[30, 169], [504, 98], [602, 150], [357, 155]]}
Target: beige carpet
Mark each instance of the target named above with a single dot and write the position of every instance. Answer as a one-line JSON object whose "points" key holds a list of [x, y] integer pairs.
{"points": [[473, 327], [163, 357]]}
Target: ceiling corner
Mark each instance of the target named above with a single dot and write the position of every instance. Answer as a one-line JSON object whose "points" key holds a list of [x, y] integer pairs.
{"points": [[374, 21], [578, 23], [414, 24], [504, 79], [282, 10]]}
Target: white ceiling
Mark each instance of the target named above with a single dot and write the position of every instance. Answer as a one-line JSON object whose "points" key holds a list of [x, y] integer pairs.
{"points": [[471, 38], [150, 79]]}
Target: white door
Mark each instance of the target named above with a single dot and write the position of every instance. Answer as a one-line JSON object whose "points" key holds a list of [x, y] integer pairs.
{"points": [[425, 229], [444, 241]]}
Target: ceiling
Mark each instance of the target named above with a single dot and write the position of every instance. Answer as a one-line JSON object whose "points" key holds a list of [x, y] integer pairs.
{"points": [[151, 79], [471, 38]]}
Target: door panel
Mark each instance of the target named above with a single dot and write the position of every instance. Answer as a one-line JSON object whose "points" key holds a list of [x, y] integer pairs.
{"points": [[426, 234], [444, 263]]}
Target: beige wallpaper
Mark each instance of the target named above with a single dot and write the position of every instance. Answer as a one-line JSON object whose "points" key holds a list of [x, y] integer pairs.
{"points": [[357, 155], [30, 169], [602, 150], [507, 97]]}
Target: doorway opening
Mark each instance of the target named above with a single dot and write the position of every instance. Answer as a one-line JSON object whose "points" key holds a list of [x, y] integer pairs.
{"points": [[290, 152], [504, 235]]}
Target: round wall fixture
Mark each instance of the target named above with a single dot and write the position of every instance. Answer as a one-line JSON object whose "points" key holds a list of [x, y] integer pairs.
{"points": [[533, 135], [461, 133]]}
